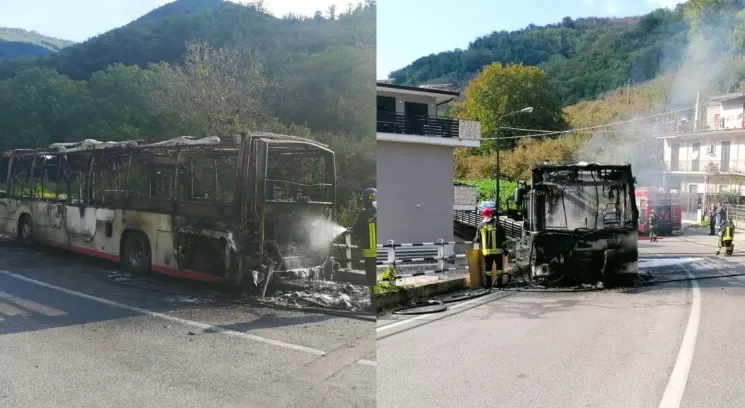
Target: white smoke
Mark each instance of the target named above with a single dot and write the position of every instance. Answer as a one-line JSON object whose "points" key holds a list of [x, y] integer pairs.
{"points": [[637, 142]]}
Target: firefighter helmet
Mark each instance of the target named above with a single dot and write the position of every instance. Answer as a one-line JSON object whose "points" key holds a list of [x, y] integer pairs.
{"points": [[487, 212], [369, 194]]}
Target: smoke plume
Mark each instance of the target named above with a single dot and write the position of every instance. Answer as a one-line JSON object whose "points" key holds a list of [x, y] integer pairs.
{"points": [[704, 67]]}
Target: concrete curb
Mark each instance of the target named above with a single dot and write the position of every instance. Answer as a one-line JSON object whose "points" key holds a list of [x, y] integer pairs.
{"points": [[409, 294], [406, 295]]}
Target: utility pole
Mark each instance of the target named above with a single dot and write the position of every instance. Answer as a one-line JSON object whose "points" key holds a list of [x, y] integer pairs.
{"points": [[695, 114], [628, 91], [529, 109]]}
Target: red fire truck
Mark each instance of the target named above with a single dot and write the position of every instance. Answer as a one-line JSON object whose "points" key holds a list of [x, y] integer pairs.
{"points": [[666, 203]]}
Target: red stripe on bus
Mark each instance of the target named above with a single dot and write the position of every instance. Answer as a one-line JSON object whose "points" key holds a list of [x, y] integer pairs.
{"points": [[84, 251], [176, 273], [185, 274]]}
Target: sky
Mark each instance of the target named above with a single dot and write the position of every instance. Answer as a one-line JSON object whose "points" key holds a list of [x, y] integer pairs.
{"points": [[410, 29], [407, 29], [78, 20]]}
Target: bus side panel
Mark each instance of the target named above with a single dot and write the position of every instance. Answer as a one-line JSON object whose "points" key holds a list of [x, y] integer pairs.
{"points": [[86, 231], [8, 216], [159, 232], [20, 207]]}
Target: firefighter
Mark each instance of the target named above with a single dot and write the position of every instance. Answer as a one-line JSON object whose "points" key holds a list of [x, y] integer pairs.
{"points": [[726, 235], [365, 231], [490, 236], [653, 224]]}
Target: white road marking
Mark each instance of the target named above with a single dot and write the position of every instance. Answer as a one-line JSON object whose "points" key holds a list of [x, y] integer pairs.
{"points": [[420, 317], [368, 363], [679, 376], [185, 322]]}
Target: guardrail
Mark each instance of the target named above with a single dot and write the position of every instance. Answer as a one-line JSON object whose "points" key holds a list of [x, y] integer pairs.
{"points": [[512, 228], [390, 258], [389, 254]]}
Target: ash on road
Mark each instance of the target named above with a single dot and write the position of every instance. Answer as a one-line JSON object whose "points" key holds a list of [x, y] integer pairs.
{"points": [[608, 349], [74, 333]]}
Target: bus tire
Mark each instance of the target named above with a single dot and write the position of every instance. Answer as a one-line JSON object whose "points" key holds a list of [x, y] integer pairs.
{"points": [[136, 256], [26, 230]]}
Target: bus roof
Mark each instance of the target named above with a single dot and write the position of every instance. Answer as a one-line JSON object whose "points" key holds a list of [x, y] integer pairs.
{"points": [[90, 145]]}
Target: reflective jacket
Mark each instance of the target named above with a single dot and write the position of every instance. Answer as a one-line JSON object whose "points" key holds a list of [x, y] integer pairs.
{"points": [[728, 232], [365, 230], [491, 237]]}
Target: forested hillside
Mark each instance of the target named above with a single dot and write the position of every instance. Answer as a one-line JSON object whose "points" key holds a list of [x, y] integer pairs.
{"points": [[696, 49], [16, 42], [205, 67], [582, 58]]}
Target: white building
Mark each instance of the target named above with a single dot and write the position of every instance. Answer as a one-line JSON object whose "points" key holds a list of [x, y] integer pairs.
{"points": [[416, 196], [708, 155]]}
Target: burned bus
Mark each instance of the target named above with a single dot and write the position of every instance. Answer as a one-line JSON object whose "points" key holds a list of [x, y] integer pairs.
{"points": [[210, 209], [581, 224]]}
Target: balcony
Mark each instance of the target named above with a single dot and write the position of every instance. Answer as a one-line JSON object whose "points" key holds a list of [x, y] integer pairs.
{"points": [[706, 166], [419, 125], [686, 126], [432, 126]]}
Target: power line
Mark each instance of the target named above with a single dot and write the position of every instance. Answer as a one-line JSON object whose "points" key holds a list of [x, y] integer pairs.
{"points": [[541, 135], [526, 130], [600, 126]]}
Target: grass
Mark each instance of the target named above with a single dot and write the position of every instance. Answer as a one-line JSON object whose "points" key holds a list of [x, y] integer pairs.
{"points": [[485, 190], [386, 282]]}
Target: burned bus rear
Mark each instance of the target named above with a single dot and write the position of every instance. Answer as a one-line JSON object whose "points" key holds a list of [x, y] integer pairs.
{"points": [[581, 224]]}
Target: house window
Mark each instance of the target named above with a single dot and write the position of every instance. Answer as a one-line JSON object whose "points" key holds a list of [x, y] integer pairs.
{"points": [[724, 157], [386, 114], [695, 156], [417, 115], [674, 157]]}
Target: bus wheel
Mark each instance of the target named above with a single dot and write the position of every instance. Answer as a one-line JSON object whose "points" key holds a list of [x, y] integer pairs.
{"points": [[136, 255], [26, 231]]}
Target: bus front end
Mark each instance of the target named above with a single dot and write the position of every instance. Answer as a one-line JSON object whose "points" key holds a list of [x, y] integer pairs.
{"points": [[295, 193]]}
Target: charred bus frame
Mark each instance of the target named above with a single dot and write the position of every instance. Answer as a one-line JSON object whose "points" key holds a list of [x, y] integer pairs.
{"points": [[210, 209], [594, 238]]}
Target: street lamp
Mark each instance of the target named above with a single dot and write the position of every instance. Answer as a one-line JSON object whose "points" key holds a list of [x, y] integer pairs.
{"points": [[529, 109]]}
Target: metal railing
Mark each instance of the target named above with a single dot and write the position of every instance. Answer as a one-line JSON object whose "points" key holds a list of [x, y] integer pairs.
{"points": [[421, 125], [696, 126], [513, 229], [706, 166]]}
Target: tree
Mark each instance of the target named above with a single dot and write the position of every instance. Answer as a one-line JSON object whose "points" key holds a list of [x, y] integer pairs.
{"points": [[341, 89], [499, 90], [213, 92], [517, 163], [40, 106]]}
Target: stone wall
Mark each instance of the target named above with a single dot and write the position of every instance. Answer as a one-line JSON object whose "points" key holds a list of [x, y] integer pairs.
{"points": [[465, 195], [469, 129]]}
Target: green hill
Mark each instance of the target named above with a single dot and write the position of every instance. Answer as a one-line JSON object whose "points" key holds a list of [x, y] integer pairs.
{"points": [[583, 57], [243, 70], [17, 42], [161, 34]]}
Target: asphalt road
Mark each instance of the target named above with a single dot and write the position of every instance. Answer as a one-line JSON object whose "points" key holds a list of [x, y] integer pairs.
{"points": [[670, 345], [73, 333]]}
